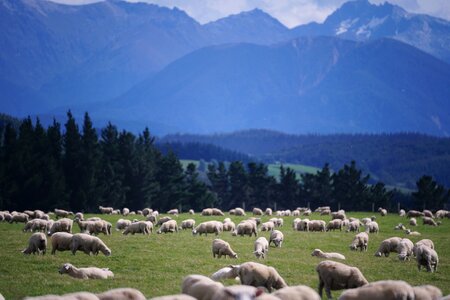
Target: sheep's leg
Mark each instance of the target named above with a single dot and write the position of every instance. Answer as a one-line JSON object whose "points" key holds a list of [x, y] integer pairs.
{"points": [[328, 291], [320, 289]]}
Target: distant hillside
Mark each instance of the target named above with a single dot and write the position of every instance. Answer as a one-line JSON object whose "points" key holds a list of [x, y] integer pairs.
{"points": [[396, 159]]}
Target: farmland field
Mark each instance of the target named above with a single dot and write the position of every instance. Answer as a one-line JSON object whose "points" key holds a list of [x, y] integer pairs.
{"points": [[156, 264]]}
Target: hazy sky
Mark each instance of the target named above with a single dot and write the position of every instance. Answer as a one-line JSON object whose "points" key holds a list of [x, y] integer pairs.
{"points": [[289, 12]]}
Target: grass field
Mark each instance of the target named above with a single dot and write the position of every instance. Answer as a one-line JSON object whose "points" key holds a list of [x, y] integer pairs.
{"points": [[156, 264]]}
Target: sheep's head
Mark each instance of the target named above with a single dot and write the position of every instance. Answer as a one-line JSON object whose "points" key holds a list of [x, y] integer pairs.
{"points": [[258, 254], [65, 268], [378, 254], [317, 251]]}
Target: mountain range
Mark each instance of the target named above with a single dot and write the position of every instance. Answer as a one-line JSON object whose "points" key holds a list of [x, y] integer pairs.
{"points": [[366, 68]]}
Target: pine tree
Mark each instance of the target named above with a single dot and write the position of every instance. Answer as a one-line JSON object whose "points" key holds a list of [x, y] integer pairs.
{"points": [[238, 186], [288, 188], [171, 180], [197, 194], [218, 176], [350, 188], [259, 184], [430, 194], [8, 167], [317, 188]]}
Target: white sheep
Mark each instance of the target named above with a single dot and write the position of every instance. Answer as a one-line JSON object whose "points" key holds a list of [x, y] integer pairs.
{"points": [[413, 222], [62, 225], [257, 211], [19, 218], [122, 224], [169, 226], [400, 226], [173, 211], [256, 274], [125, 211], [191, 212], [316, 225], [215, 227], [426, 257], [61, 241], [144, 227], [36, 244], [261, 247], [239, 211], [220, 247], [298, 292], [85, 273], [121, 294], [223, 274], [70, 296], [163, 220], [387, 246], [188, 224], [267, 226], [246, 227], [427, 292], [61, 213], [405, 249], [217, 212], [146, 211], [361, 241], [334, 224], [385, 289], [426, 242], [428, 213], [207, 212], [88, 244], [338, 215], [276, 237], [372, 227], [429, 221], [200, 287], [229, 226], [237, 292], [106, 210], [303, 225], [402, 213], [327, 255], [414, 213], [412, 233], [337, 276], [382, 211], [440, 214], [353, 226], [268, 212]]}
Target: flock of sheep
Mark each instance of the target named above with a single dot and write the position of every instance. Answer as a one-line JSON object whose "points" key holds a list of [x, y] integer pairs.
{"points": [[257, 281]]}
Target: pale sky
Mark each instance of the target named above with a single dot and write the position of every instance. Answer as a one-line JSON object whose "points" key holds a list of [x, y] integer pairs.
{"points": [[289, 12]]}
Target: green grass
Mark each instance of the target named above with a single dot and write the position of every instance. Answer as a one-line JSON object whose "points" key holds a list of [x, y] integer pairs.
{"points": [[156, 264]]}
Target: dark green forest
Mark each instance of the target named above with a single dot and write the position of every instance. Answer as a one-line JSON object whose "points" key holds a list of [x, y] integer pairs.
{"points": [[77, 167]]}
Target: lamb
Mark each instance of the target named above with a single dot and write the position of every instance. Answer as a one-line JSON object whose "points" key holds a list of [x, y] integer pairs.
{"points": [[61, 213], [426, 257], [85, 273], [246, 227], [191, 212], [125, 211], [382, 211], [401, 213], [413, 222], [353, 226], [62, 225], [427, 292], [173, 212], [334, 224], [239, 211], [163, 220], [429, 221], [61, 241], [268, 212], [316, 225], [87, 244], [188, 224], [336, 276], [36, 244], [169, 226], [372, 227], [229, 226], [121, 293], [385, 289], [387, 246], [327, 255], [122, 224], [261, 247], [256, 274], [224, 273], [414, 213], [106, 210], [276, 237], [200, 287], [220, 247], [405, 249], [208, 227], [361, 241], [298, 292]]}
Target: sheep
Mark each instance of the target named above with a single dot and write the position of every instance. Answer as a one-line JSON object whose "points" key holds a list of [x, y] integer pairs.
{"points": [[427, 213], [200, 287], [425, 242], [217, 212], [295, 222], [412, 233], [400, 226], [372, 227], [229, 226], [173, 211], [387, 246], [267, 226], [427, 292], [287, 212], [61, 213], [405, 249], [426, 257], [146, 211], [191, 212], [280, 213], [296, 213], [429, 221], [256, 220], [385, 289], [325, 212], [268, 212], [174, 297], [96, 227], [61, 241], [36, 244], [93, 219], [121, 293], [261, 247], [401, 213], [276, 237], [224, 273], [334, 224], [336, 276], [316, 225], [207, 212], [414, 213], [125, 211], [152, 218], [208, 227], [169, 226], [256, 274], [327, 255], [413, 222], [307, 212], [19, 218], [257, 211], [36, 225], [361, 241], [85, 273], [440, 214], [87, 244], [298, 292], [246, 227], [338, 215], [237, 292], [239, 211], [71, 296], [62, 225], [303, 225], [39, 214], [353, 226], [188, 224], [7, 217], [163, 220], [382, 211], [122, 224], [106, 210], [322, 208], [220, 247]]}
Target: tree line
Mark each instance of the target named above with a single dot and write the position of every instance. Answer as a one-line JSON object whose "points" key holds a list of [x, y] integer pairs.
{"points": [[79, 168]]}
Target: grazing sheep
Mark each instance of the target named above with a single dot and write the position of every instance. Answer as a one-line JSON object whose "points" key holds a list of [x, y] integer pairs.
{"points": [[79, 216], [174, 297], [361, 241], [295, 223], [200, 287], [382, 211], [372, 227], [338, 215], [322, 208], [125, 211], [173, 211], [268, 212], [385, 289], [414, 213], [256, 274], [257, 211], [387, 246], [116, 212], [36, 225], [62, 225], [325, 212], [19, 218], [440, 214], [296, 213], [146, 211], [88, 244], [71, 296], [61, 241], [36, 244], [122, 224], [61, 213], [412, 233], [303, 225], [207, 212], [169, 226], [425, 242], [316, 225], [327, 255], [402, 213], [246, 227], [400, 226], [208, 227], [261, 247], [223, 274], [163, 220], [405, 249], [106, 210], [229, 226], [337, 276], [298, 292], [239, 211], [426, 257], [152, 218], [237, 292], [429, 221], [267, 226], [428, 213], [334, 224], [307, 212], [191, 212], [217, 212], [85, 273], [188, 224], [93, 219], [276, 237], [220, 247], [427, 292], [96, 227], [121, 294], [413, 222], [353, 226]]}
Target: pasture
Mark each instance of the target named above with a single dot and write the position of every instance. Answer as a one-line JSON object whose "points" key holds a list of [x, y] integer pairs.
{"points": [[156, 264]]}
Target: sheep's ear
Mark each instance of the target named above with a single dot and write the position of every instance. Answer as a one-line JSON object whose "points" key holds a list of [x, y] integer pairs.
{"points": [[67, 267]]}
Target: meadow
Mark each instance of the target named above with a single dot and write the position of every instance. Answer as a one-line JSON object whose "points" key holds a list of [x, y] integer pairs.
{"points": [[156, 264]]}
